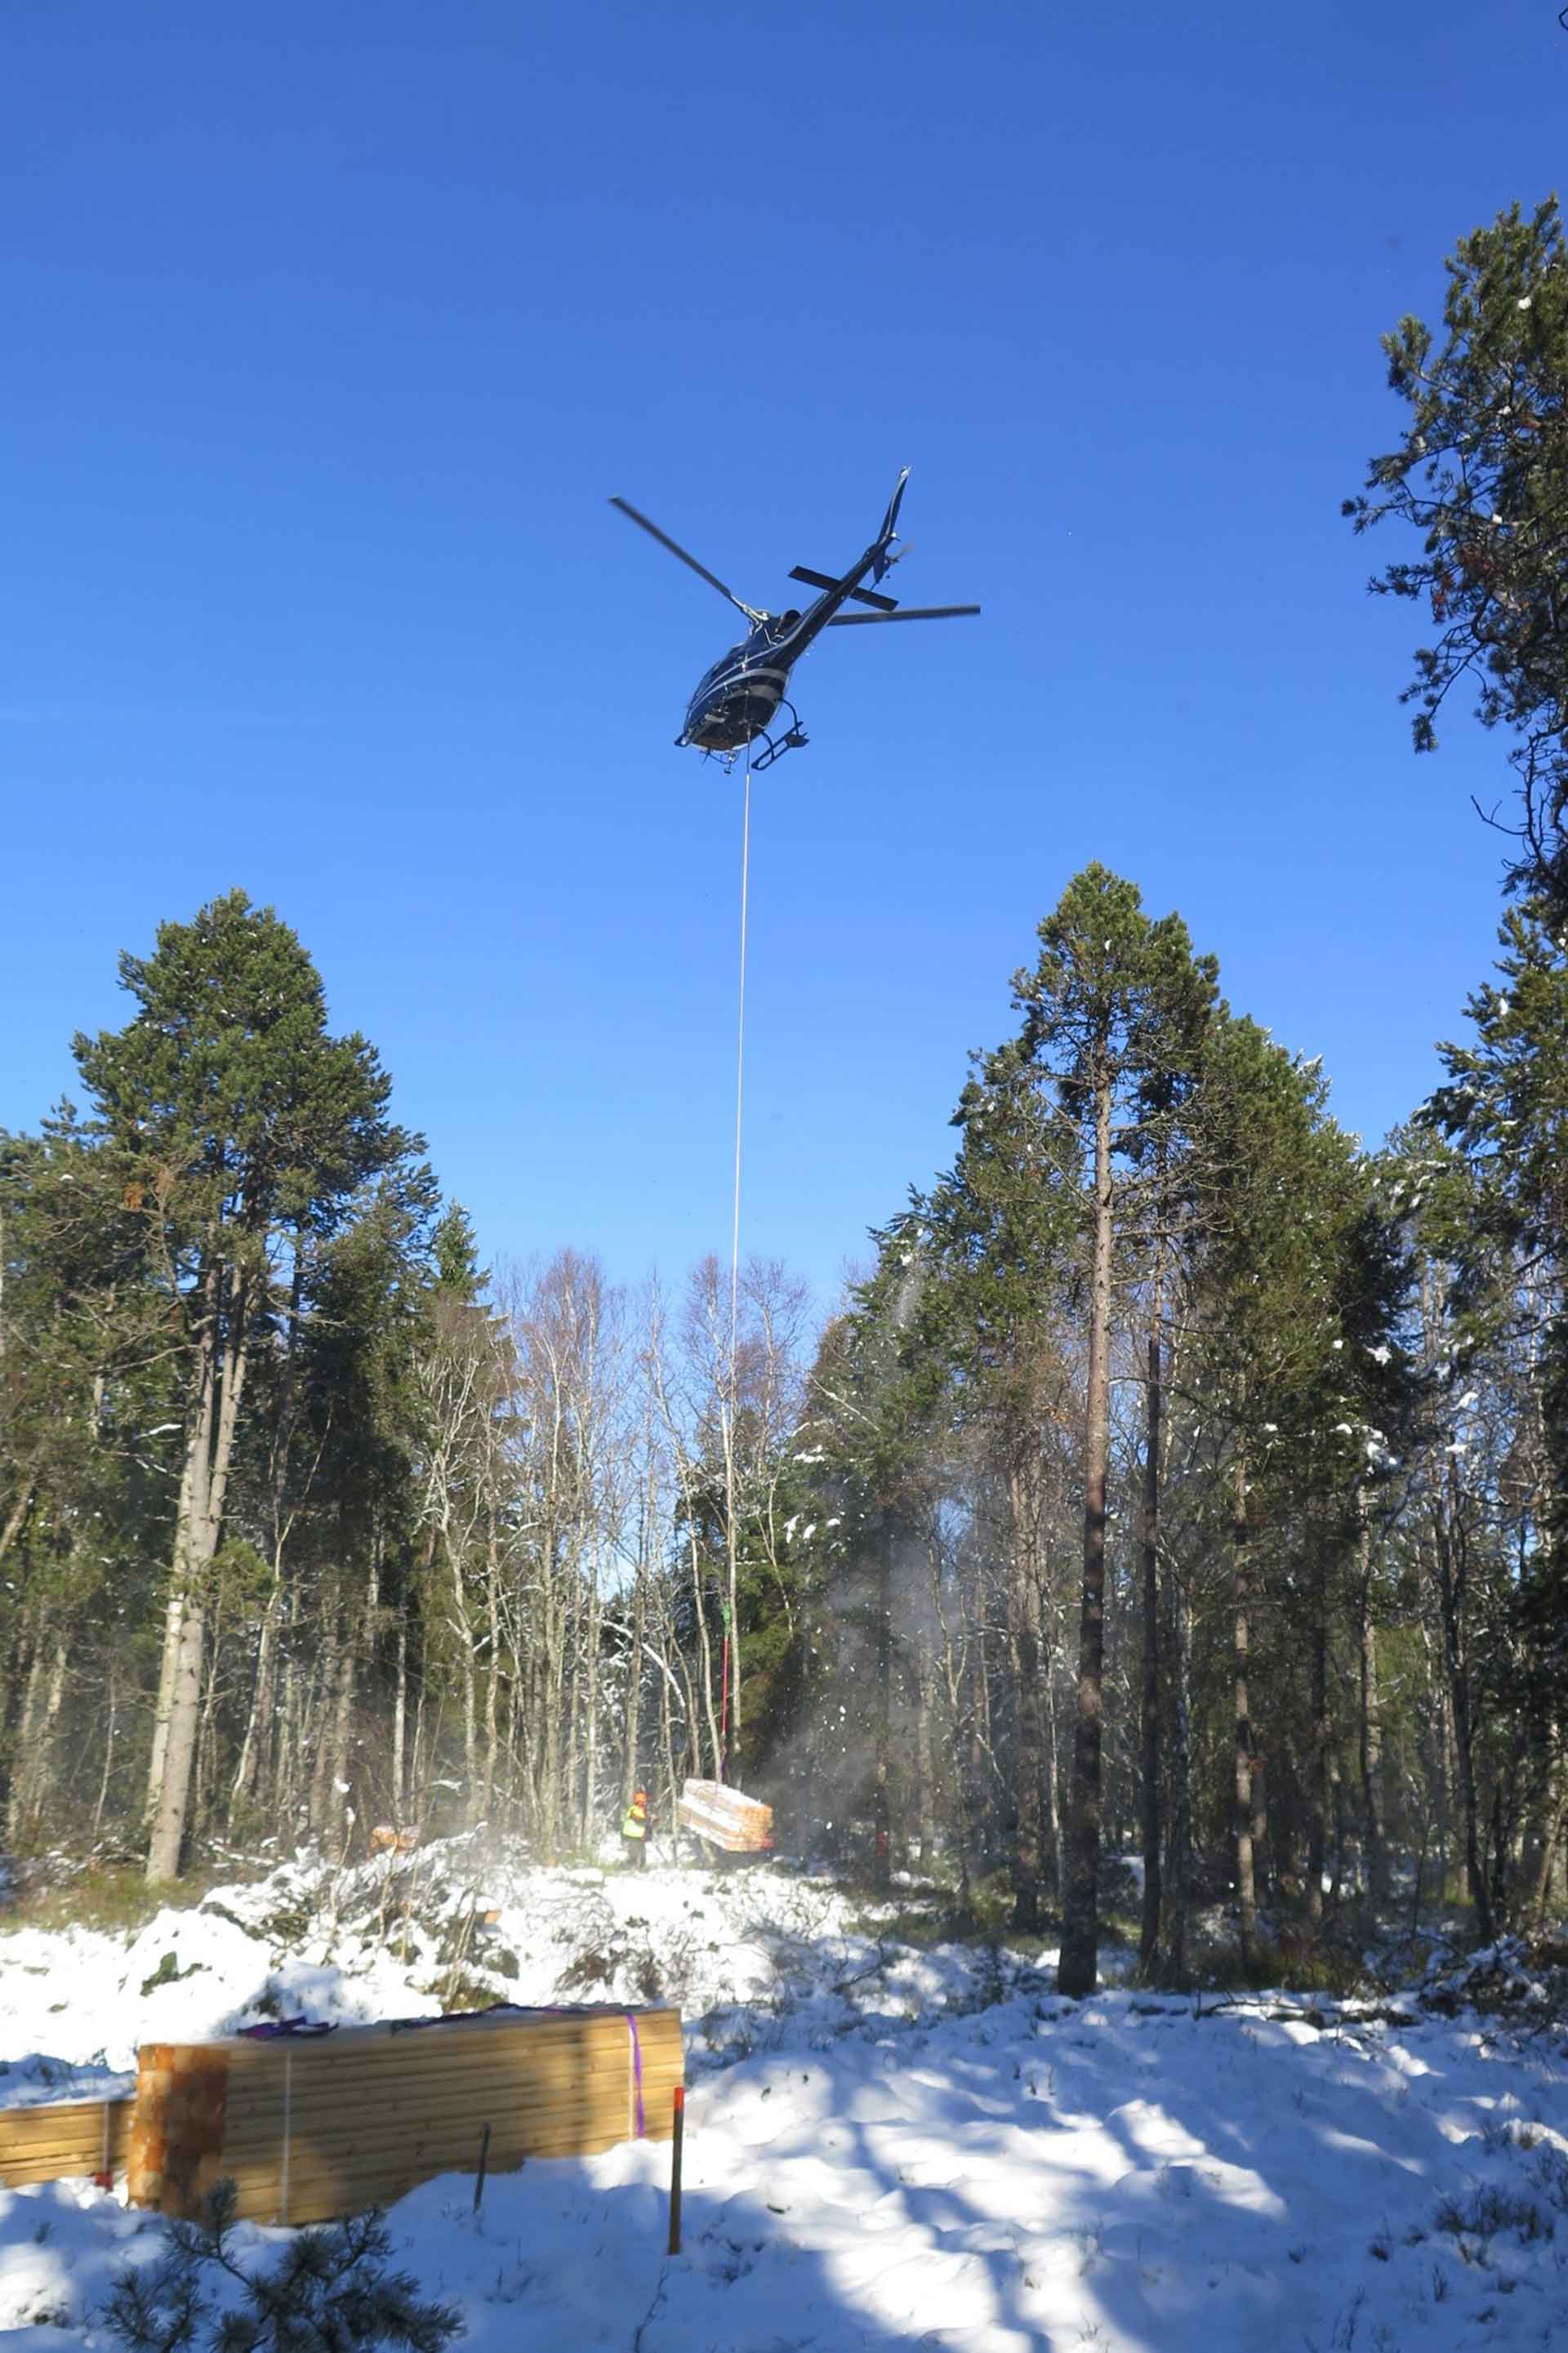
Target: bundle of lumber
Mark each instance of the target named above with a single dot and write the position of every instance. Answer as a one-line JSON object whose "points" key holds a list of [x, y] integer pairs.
{"points": [[62, 2137], [310, 2127], [725, 1818]]}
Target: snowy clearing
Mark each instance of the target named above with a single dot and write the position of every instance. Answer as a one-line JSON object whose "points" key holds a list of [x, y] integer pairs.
{"points": [[885, 2146]]}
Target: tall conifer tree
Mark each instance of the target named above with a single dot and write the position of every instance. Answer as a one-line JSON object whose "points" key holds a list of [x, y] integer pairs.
{"points": [[1115, 1007], [242, 1132]]}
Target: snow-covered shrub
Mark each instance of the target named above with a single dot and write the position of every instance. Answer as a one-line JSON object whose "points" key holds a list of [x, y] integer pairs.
{"points": [[1510, 1976]]}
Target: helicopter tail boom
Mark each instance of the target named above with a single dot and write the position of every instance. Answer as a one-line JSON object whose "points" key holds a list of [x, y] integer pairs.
{"points": [[889, 533]]}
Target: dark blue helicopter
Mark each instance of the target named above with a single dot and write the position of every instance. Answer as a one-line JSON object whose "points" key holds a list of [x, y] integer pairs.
{"points": [[736, 700]]}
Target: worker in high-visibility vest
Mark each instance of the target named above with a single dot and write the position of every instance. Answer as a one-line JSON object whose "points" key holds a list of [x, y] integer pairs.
{"points": [[634, 1831]]}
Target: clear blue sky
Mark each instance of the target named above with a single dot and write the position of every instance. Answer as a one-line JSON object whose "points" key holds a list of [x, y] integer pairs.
{"points": [[329, 333]]}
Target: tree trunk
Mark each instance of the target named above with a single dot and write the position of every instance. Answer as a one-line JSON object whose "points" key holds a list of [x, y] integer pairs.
{"points": [[632, 1714], [462, 1628], [1449, 1544], [221, 1383], [20, 1800], [189, 1511], [41, 1706], [732, 1603], [324, 1684], [1023, 1601], [110, 1732], [571, 1667], [16, 1519], [705, 1648], [882, 1867], [1152, 1807], [257, 1747], [1050, 1796], [1317, 1840], [184, 1717], [1372, 1799], [590, 1677], [666, 1741], [1079, 1968], [1241, 1602], [492, 1677], [1540, 1889], [400, 1719], [359, 1644], [926, 1760], [1178, 1890]]}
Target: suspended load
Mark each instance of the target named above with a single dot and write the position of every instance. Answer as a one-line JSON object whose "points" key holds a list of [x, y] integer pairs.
{"points": [[725, 1819]]}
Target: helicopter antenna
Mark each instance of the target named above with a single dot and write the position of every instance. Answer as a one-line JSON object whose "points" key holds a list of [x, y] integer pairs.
{"points": [[664, 539]]}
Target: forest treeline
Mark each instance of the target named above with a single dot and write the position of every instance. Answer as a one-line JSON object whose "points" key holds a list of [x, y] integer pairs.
{"points": [[1181, 1479]]}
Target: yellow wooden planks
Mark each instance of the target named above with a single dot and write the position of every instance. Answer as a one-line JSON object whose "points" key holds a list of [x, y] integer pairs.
{"points": [[325, 2125], [309, 2126], [726, 1817], [62, 2139], [453, 2118]]}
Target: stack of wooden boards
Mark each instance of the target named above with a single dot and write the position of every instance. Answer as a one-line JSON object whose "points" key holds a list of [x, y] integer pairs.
{"points": [[739, 1825], [310, 2126], [62, 2137]]}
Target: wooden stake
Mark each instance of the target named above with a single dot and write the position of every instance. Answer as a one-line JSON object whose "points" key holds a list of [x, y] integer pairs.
{"points": [[484, 2152], [675, 2147]]}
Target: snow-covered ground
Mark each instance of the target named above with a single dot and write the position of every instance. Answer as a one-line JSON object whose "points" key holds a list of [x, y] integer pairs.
{"points": [[885, 2146]]}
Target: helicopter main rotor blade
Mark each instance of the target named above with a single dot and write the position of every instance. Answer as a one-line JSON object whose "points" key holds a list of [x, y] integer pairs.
{"points": [[674, 548], [906, 613]]}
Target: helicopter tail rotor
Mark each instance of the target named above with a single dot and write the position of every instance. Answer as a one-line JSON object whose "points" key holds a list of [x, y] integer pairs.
{"points": [[861, 595], [889, 532]]}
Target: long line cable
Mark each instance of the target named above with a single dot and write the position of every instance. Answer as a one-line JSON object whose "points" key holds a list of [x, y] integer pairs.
{"points": [[739, 1081], [731, 1651]]}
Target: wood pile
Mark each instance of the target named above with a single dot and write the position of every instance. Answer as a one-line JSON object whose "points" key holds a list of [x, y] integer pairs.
{"points": [[725, 1819], [62, 2139], [310, 2127]]}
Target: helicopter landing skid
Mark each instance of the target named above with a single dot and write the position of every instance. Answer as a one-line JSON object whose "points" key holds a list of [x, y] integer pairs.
{"points": [[794, 740]]}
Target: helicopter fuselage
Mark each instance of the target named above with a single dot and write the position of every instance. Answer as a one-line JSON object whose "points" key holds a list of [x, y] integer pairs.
{"points": [[735, 701]]}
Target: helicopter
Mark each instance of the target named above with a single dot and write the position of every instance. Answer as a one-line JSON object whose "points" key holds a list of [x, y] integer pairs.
{"points": [[736, 701]]}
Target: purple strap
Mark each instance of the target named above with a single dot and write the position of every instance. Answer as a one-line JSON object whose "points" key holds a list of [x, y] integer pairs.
{"points": [[636, 2073]]}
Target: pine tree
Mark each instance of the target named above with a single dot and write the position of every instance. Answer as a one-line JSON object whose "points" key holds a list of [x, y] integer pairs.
{"points": [[239, 1128], [1298, 1281], [1505, 1104], [85, 1462], [332, 2290], [1504, 1107], [1115, 1013], [1482, 474]]}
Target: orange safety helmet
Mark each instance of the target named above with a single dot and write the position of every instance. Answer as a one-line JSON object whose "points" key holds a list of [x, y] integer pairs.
{"points": [[639, 1796]]}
